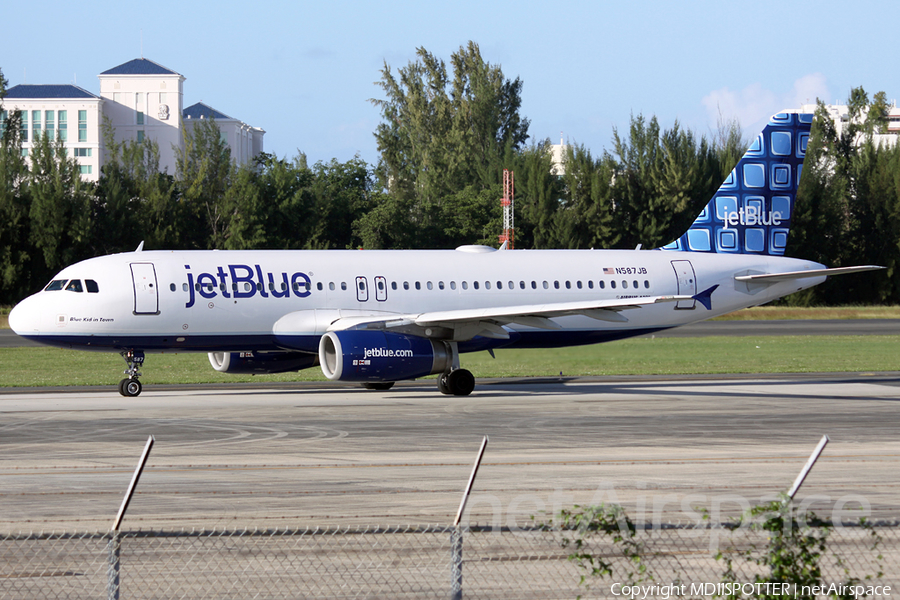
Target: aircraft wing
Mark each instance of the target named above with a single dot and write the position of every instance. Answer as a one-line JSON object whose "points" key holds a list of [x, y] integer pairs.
{"points": [[465, 324], [776, 277]]}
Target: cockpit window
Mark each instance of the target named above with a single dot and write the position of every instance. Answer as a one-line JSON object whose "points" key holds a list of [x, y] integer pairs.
{"points": [[91, 286], [56, 285], [74, 286]]}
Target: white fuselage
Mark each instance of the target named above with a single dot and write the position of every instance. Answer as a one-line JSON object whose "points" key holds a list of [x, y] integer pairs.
{"points": [[213, 301]]}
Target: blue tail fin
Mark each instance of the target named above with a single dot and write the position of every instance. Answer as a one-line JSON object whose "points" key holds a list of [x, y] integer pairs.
{"points": [[751, 211]]}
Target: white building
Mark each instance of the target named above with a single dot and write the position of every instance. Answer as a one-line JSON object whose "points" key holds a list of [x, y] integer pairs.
{"points": [[840, 113], [68, 112], [140, 99]]}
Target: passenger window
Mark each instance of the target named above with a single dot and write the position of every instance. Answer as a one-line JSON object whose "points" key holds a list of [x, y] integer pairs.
{"points": [[624, 285], [521, 285], [635, 284], [602, 284], [405, 285], [465, 285], [499, 285], [440, 285], [568, 285], [362, 286], [331, 286], [612, 284], [646, 284], [556, 284], [475, 284], [319, 286], [534, 285], [591, 283], [418, 286], [487, 285], [380, 284], [56, 285], [511, 285], [429, 285], [546, 285], [578, 284], [452, 285], [93, 288], [393, 285], [172, 286], [184, 287], [74, 286]]}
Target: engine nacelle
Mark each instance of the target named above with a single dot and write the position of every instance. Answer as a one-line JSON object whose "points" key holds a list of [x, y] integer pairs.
{"points": [[362, 355], [261, 362]]}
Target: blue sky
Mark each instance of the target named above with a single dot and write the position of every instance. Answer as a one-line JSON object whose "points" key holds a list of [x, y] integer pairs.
{"points": [[304, 71]]}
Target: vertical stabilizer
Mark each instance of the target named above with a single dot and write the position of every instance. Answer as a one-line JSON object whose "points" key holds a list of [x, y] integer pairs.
{"points": [[751, 211]]}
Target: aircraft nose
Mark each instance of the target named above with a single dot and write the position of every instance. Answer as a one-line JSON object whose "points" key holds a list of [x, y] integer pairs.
{"points": [[21, 319]]}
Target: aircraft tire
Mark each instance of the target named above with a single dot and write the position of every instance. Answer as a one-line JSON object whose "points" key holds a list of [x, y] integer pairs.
{"points": [[378, 385], [461, 382], [130, 387], [443, 386]]}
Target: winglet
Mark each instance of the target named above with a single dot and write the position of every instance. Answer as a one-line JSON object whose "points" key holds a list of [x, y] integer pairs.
{"points": [[705, 297]]}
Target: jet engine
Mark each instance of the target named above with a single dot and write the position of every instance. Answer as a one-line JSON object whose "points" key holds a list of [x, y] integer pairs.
{"points": [[261, 362], [364, 355]]}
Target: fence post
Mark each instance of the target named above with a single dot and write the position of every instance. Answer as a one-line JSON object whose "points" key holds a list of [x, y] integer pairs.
{"points": [[456, 534], [112, 568], [456, 543]]}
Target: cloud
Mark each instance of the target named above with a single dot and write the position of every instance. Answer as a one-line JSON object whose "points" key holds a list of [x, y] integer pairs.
{"points": [[753, 105]]}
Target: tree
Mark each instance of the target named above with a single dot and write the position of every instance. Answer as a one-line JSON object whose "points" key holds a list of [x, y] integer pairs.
{"points": [[135, 202], [442, 135], [15, 252], [204, 170], [60, 211], [847, 208]]}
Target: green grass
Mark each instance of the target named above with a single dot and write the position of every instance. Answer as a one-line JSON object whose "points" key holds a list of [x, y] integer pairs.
{"points": [[661, 356]]}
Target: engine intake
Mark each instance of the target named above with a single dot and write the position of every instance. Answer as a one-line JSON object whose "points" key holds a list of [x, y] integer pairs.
{"points": [[261, 362], [361, 355]]}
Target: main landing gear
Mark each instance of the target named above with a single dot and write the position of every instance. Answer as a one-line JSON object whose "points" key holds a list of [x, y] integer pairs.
{"points": [[455, 381], [131, 386], [458, 382]]}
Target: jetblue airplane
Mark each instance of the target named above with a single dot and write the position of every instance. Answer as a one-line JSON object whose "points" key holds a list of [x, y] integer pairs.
{"points": [[380, 316]]}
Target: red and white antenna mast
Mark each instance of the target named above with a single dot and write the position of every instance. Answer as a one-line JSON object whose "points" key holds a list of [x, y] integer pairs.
{"points": [[509, 187]]}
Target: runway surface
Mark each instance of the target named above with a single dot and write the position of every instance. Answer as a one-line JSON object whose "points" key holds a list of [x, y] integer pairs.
{"points": [[308, 454]]}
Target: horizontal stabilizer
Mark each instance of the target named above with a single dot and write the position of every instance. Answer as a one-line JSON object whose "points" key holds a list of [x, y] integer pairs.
{"points": [[776, 277]]}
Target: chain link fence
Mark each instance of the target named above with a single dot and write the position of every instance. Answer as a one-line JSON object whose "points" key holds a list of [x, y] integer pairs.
{"points": [[396, 562]]}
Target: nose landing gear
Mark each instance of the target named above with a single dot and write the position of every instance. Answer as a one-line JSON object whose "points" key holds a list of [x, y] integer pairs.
{"points": [[131, 386]]}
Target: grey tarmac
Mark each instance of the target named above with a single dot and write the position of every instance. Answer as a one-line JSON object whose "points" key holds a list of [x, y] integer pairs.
{"points": [[313, 454]]}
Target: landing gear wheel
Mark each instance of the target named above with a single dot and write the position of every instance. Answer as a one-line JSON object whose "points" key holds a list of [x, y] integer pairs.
{"points": [[459, 382], [443, 386], [130, 387], [378, 385]]}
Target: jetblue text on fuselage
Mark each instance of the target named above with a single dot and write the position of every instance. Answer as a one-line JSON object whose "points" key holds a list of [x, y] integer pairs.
{"points": [[243, 281], [751, 216]]}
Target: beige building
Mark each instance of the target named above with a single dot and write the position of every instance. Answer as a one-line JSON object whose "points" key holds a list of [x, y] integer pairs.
{"points": [[140, 99]]}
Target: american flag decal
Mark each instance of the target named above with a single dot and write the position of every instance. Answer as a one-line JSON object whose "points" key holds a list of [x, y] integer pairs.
{"points": [[608, 271]]}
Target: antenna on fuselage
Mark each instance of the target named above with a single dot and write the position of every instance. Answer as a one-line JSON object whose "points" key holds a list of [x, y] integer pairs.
{"points": [[140, 246]]}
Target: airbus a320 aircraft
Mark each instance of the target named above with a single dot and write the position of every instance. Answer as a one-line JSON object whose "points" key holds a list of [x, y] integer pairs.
{"points": [[381, 316]]}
